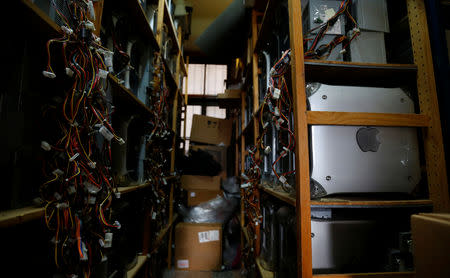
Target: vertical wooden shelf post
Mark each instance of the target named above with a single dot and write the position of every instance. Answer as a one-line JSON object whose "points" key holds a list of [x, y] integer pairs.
{"points": [[303, 209], [428, 102]]}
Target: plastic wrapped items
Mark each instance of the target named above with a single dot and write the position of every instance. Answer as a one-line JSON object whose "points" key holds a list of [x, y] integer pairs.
{"points": [[231, 185], [217, 210]]}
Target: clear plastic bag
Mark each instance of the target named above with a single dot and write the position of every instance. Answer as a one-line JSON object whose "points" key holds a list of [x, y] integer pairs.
{"points": [[217, 210]]}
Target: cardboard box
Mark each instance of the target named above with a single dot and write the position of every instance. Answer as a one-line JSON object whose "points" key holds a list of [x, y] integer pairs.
{"points": [[190, 182], [198, 196], [198, 246], [431, 242], [192, 274], [218, 153], [211, 130]]}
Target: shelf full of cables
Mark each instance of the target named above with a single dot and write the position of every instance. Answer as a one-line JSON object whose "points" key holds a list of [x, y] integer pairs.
{"points": [[79, 186]]}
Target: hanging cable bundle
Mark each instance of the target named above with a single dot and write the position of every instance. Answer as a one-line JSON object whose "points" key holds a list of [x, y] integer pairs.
{"points": [[277, 109], [79, 188]]}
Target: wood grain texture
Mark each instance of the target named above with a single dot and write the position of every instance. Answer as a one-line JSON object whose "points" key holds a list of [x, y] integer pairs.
{"points": [[428, 103], [366, 119], [98, 7], [283, 196], [135, 270], [160, 22], [369, 275], [362, 74], [262, 271], [302, 179], [14, 217]]}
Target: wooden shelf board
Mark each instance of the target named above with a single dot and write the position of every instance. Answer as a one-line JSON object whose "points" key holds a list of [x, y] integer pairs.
{"points": [[264, 273], [41, 20], [349, 201], [127, 189], [162, 233], [14, 217], [371, 119], [135, 270], [127, 99], [283, 196], [360, 202], [141, 22], [352, 73], [368, 275]]}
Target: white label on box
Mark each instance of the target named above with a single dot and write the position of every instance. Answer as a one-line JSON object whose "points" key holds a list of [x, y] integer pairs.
{"points": [[183, 263], [192, 194], [208, 236]]}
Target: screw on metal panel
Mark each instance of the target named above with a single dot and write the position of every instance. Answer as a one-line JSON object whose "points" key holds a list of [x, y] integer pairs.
{"points": [[402, 100], [312, 235], [328, 178], [324, 97]]}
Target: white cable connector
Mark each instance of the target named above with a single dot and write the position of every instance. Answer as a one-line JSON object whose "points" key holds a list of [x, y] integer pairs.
{"points": [[58, 172], [276, 112], [57, 196], [91, 200], [71, 190], [84, 249], [89, 25], [48, 74], [154, 215], [267, 150], [91, 10], [108, 240], [265, 125], [116, 223], [282, 179], [67, 30], [286, 149], [273, 72], [276, 93], [92, 164], [244, 176], [245, 185], [69, 72], [343, 51], [62, 205], [120, 141], [106, 133], [46, 146], [74, 157], [103, 73], [117, 194]]}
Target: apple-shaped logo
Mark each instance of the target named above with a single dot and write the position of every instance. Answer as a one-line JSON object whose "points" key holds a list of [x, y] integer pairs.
{"points": [[367, 140]]}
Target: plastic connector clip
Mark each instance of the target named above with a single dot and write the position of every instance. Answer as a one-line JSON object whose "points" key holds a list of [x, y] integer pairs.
{"points": [[46, 146], [276, 93], [67, 30], [48, 74]]}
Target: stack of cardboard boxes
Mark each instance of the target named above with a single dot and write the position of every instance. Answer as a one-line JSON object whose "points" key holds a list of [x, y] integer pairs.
{"points": [[198, 246]]}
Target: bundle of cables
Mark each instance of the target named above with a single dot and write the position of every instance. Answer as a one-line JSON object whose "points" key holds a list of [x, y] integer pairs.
{"points": [[250, 195], [322, 51], [278, 108], [78, 189]]}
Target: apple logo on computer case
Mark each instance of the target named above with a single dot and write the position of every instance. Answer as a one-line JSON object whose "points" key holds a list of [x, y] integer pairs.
{"points": [[367, 140]]}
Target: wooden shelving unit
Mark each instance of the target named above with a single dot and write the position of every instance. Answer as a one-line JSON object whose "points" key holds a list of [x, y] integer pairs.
{"points": [[135, 270], [418, 75], [124, 100], [264, 273]]}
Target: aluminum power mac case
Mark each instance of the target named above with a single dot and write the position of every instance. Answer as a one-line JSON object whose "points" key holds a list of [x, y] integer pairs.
{"points": [[361, 159]]}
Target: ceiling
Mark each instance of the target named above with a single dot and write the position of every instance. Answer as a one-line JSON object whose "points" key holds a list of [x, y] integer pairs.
{"points": [[204, 13]]}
